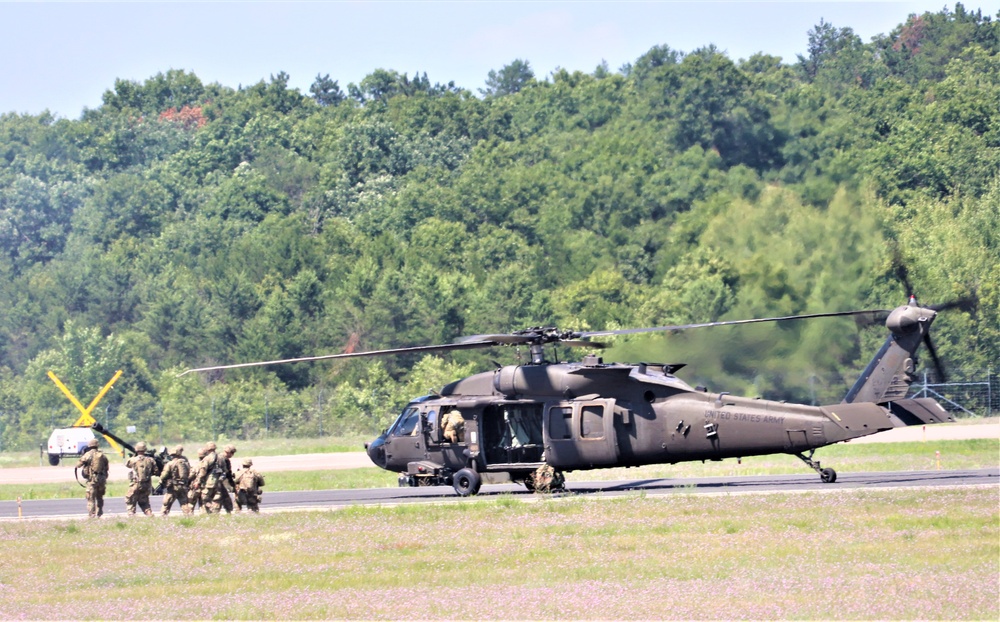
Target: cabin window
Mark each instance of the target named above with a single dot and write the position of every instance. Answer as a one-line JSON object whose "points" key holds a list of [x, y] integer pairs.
{"points": [[560, 423], [431, 419], [407, 423], [592, 421]]}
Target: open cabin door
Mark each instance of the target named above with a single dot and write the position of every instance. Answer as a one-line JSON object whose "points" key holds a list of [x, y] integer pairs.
{"points": [[580, 434]]}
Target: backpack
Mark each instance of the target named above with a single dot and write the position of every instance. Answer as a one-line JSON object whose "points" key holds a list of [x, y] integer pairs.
{"points": [[95, 464], [183, 469], [247, 480], [99, 465], [143, 468]]}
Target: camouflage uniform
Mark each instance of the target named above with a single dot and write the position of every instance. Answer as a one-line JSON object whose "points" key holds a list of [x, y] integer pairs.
{"points": [[142, 469], [194, 489], [228, 483], [453, 425], [95, 470], [211, 478], [176, 475], [248, 487], [548, 479]]}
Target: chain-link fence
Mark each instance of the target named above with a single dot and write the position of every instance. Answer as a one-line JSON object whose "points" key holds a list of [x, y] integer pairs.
{"points": [[975, 394]]}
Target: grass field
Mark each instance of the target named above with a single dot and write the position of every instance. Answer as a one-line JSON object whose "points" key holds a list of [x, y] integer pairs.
{"points": [[893, 554], [845, 458]]}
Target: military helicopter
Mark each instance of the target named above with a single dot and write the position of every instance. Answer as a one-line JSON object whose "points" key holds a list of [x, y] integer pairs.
{"points": [[531, 423]]}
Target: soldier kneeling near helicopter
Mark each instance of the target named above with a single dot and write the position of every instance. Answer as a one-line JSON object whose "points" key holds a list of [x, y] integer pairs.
{"points": [[248, 487], [453, 424]]}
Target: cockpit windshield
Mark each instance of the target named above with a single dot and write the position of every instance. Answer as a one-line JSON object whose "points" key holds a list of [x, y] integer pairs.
{"points": [[406, 423]]}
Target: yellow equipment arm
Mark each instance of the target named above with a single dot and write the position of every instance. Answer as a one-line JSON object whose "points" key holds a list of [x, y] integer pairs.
{"points": [[86, 420]]}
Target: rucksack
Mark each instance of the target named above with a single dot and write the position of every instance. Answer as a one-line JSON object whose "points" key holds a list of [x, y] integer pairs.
{"points": [[99, 465], [183, 469], [143, 469], [247, 480]]}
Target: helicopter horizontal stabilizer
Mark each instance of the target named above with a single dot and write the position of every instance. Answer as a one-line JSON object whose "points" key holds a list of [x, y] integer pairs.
{"points": [[919, 411]]}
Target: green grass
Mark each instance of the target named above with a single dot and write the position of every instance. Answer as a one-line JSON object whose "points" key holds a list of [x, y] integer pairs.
{"points": [[845, 458], [889, 554]]}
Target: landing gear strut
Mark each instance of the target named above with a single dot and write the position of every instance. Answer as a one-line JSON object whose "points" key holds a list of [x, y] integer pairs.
{"points": [[828, 476]]}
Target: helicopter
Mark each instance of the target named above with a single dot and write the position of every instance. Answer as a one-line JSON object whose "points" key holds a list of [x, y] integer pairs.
{"points": [[531, 423]]}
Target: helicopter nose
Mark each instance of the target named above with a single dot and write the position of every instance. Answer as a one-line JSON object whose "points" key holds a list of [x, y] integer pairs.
{"points": [[376, 451]]}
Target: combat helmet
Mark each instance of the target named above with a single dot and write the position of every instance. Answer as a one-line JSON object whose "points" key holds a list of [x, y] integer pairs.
{"points": [[177, 451], [92, 443], [247, 462], [209, 446], [140, 447], [229, 449]]}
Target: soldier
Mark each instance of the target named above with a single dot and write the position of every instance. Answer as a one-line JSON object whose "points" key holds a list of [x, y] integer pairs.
{"points": [[548, 479], [175, 478], [228, 483], [211, 476], [140, 480], [95, 471], [453, 425], [194, 489], [248, 487]]}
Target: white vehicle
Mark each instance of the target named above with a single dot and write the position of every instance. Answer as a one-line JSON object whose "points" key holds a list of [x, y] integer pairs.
{"points": [[65, 442]]}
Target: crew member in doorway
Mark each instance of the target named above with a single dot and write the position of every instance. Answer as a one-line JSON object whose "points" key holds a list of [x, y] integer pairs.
{"points": [[453, 424]]}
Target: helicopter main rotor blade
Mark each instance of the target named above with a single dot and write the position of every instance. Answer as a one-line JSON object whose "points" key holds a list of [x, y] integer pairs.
{"points": [[633, 331], [435, 348], [582, 343], [498, 339]]}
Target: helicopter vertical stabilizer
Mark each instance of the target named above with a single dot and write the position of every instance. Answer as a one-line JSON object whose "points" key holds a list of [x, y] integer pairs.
{"points": [[889, 374]]}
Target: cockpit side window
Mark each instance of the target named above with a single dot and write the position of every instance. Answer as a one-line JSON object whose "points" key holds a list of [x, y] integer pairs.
{"points": [[407, 423]]}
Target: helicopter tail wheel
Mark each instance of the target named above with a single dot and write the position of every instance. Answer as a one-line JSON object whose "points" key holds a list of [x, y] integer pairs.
{"points": [[466, 482], [828, 476]]}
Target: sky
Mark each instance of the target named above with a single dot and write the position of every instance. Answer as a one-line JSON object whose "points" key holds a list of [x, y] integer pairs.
{"points": [[62, 56]]}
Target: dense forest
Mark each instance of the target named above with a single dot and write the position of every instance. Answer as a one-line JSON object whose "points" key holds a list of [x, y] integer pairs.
{"points": [[183, 224]]}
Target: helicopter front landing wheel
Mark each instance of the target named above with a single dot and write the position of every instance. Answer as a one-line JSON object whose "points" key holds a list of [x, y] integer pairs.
{"points": [[466, 482], [828, 476]]}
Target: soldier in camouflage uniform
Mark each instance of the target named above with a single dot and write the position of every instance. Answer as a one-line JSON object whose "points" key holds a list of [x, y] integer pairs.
{"points": [[248, 487], [228, 483], [194, 487], [548, 479], [175, 478], [211, 479], [141, 470], [453, 424], [95, 470]]}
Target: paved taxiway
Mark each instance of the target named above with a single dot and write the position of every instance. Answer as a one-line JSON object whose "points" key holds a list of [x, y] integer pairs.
{"points": [[332, 499]]}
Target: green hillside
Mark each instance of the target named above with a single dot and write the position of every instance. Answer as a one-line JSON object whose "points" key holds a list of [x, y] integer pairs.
{"points": [[183, 224]]}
